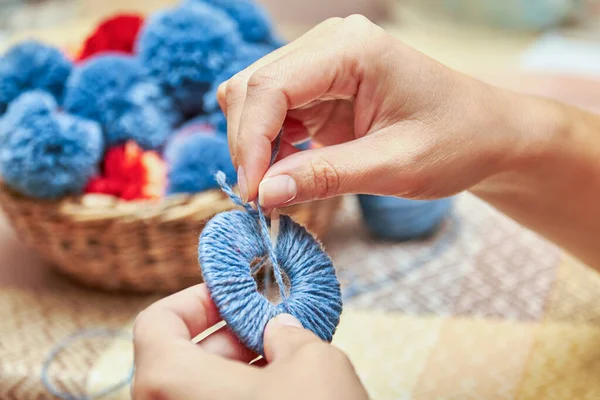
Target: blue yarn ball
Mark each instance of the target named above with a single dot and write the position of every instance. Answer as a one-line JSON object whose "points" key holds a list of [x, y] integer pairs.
{"points": [[194, 160], [401, 219], [46, 154], [186, 48], [248, 55], [231, 241], [251, 18], [114, 91], [32, 65]]}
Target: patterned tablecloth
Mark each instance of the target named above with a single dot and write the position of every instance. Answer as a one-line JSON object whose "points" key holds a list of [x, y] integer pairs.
{"points": [[483, 310]]}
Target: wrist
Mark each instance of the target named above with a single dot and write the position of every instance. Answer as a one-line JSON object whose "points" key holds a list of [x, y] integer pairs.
{"points": [[535, 132]]}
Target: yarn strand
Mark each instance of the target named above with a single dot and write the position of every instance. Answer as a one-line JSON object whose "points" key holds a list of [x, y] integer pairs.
{"points": [[264, 224]]}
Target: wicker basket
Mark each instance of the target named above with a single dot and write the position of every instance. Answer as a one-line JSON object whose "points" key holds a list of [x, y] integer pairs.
{"points": [[140, 246]]}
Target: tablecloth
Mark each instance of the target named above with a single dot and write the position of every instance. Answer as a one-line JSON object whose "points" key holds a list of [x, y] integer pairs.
{"points": [[485, 309]]}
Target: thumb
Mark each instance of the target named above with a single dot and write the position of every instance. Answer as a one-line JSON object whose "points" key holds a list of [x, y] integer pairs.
{"points": [[368, 165], [284, 335]]}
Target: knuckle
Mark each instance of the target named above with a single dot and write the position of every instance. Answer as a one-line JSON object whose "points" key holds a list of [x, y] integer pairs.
{"points": [[262, 80], [235, 87], [360, 28], [326, 178], [359, 22], [332, 21]]}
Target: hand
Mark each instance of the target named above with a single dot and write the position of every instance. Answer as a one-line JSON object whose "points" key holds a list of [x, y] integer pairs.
{"points": [[392, 121], [168, 365]]}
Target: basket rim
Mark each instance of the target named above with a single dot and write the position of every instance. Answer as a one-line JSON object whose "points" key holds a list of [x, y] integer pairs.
{"points": [[96, 206]]}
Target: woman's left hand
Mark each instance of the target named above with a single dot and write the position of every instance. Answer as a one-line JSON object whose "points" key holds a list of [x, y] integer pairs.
{"points": [[168, 365]]}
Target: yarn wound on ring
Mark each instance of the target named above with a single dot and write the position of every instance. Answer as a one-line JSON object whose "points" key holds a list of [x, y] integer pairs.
{"points": [[233, 241]]}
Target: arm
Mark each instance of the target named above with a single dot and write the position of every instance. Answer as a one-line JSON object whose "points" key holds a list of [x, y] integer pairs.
{"points": [[395, 122], [553, 186]]}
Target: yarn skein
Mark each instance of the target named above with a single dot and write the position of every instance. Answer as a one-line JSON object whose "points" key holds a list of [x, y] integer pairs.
{"points": [[232, 241], [399, 219]]}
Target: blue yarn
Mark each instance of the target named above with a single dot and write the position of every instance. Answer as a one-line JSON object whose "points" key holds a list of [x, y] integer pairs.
{"points": [[251, 18], [193, 160], [32, 65], [113, 90], [400, 219], [46, 154], [248, 54], [61, 346], [186, 48], [232, 240]]}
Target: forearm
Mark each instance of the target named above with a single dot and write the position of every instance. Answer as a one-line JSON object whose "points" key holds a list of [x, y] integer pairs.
{"points": [[552, 184]]}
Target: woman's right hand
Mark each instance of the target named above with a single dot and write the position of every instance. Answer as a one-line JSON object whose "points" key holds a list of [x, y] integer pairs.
{"points": [[390, 120]]}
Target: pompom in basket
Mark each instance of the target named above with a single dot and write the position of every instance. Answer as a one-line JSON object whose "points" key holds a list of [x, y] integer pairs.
{"points": [[120, 87], [140, 246]]}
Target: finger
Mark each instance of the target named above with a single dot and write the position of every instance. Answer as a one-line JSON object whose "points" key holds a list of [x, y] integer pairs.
{"points": [[336, 170], [180, 316], [223, 342], [183, 373], [232, 94], [314, 32], [166, 361], [327, 69], [284, 335]]}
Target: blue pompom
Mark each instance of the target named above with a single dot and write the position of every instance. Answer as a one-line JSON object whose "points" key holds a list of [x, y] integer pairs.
{"points": [[247, 55], [98, 85], [185, 49], [194, 160], [32, 65], [114, 91], [46, 154], [251, 18], [218, 120]]}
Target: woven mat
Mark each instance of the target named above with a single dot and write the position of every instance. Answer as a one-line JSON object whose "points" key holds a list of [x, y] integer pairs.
{"points": [[483, 310]]}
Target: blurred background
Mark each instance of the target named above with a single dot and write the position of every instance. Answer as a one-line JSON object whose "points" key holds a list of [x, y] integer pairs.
{"points": [[472, 306], [483, 37]]}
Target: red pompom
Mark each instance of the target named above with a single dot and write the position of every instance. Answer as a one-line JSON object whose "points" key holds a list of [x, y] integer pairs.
{"points": [[131, 174], [115, 34]]}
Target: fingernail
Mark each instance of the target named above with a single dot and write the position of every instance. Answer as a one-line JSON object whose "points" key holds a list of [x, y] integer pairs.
{"points": [[243, 184], [287, 320], [277, 191]]}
